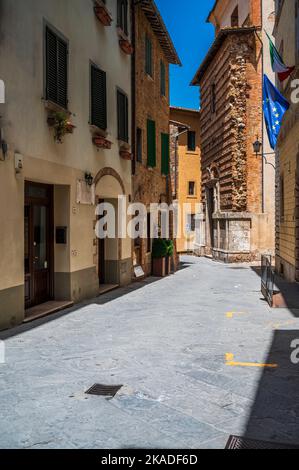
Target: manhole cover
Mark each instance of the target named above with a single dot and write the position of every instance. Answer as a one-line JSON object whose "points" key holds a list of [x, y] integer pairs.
{"points": [[104, 390], [238, 443]]}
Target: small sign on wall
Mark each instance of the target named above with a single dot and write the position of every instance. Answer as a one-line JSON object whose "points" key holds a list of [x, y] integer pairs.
{"points": [[85, 193], [2, 92]]}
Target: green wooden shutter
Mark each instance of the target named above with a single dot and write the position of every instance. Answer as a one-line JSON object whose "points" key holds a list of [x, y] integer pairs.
{"points": [[151, 143], [165, 153]]}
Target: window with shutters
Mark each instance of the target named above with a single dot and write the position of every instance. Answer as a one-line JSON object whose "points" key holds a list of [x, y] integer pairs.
{"points": [[56, 79], [123, 116], [191, 141], [98, 97], [151, 143], [122, 15], [163, 78], [139, 145], [148, 56], [165, 153]]}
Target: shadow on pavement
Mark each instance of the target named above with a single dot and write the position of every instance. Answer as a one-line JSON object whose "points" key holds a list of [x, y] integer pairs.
{"points": [[101, 300], [289, 291], [275, 413]]}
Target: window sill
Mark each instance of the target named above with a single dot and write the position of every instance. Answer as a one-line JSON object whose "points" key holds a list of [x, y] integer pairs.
{"points": [[98, 131], [56, 108]]}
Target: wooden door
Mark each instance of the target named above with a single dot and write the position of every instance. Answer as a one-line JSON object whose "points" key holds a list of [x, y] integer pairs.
{"points": [[38, 244]]}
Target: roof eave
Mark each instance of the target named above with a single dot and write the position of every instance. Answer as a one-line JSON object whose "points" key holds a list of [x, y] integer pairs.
{"points": [[167, 45], [223, 33]]}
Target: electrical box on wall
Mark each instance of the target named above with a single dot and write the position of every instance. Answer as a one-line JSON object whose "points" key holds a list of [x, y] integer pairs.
{"points": [[61, 235], [19, 162]]}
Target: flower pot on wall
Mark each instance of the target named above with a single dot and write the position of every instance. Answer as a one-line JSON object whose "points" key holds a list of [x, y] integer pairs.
{"points": [[101, 142], [126, 46], [125, 154], [103, 15], [159, 267]]}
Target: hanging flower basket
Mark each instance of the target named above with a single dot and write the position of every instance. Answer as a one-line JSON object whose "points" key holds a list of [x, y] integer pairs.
{"points": [[101, 142], [126, 46], [103, 15], [61, 124], [125, 154]]}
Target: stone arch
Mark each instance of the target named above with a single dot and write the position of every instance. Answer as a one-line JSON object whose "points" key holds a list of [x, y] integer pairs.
{"points": [[107, 171]]}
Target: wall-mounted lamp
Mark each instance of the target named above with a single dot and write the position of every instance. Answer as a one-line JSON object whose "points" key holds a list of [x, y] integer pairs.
{"points": [[88, 179], [257, 148], [3, 145]]}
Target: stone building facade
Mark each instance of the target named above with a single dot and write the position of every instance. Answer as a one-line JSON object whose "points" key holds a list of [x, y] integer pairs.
{"points": [[286, 32], [238, 225], [185, 170], [62, 77], [154, 51]]}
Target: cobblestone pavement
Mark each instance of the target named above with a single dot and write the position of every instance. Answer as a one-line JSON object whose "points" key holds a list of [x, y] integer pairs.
{"points": [[166, 341]]}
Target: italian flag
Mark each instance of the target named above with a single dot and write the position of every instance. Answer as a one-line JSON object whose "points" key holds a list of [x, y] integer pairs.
{"points": [[278, 66]]}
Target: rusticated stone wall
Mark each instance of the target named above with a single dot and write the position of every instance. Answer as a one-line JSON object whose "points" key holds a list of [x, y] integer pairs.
{"points": [[228, 133]]}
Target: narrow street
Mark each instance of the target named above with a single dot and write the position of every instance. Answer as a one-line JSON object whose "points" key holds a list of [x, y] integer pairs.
{"points": [[166, 342]]}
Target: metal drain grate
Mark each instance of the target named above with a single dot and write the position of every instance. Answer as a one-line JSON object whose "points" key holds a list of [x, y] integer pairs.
{"points": [[104, 390], [238, 443]]}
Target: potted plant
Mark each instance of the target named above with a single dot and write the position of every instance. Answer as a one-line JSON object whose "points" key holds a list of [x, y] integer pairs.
{"points": [[126, 46], [159, 254], [170, 253], [101, 142], [61, 124], [102, 13], [125, 154]]}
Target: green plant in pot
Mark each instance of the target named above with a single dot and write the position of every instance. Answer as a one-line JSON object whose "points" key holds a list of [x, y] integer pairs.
{"points": [[170, 253], [61, 125], [159, 255]]}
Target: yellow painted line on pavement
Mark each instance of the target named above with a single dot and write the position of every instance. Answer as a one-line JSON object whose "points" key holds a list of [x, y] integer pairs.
{"points": [[231, 314], [229, 361]]}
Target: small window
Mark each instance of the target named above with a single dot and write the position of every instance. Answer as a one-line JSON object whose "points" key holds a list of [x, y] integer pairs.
{"points": [[163, 78], [191, 188], [235, 18], [213, 98], [191, 141], [98, 98], [151, 143], [122, 15], [139, 145], [123, 116], [56, 69], [148, 56]]}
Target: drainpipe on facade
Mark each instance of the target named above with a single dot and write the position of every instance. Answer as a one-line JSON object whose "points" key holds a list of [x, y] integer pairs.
{"points": [[133, 85]]}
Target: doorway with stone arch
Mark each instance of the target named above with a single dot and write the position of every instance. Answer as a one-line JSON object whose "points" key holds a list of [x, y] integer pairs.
{"points": [[113, 255]]}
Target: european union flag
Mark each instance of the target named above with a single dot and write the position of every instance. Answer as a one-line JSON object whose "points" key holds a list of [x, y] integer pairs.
{"points": [[275, 107]]}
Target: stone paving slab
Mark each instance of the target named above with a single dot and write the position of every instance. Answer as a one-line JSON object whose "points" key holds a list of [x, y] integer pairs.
{"points": [[165, 341]]}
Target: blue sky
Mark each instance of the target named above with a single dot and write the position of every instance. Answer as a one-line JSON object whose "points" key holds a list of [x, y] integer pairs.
{"points": [[192, 37]]}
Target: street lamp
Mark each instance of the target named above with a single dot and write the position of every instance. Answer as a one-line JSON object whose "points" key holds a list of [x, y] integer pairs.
{"points": [[257, 147]]}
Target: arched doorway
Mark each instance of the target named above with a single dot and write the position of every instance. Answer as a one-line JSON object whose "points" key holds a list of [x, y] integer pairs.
{"points": [[108, 188]]}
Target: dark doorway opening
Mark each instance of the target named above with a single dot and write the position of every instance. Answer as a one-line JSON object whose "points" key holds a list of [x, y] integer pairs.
{"points": [[39, 244]]}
